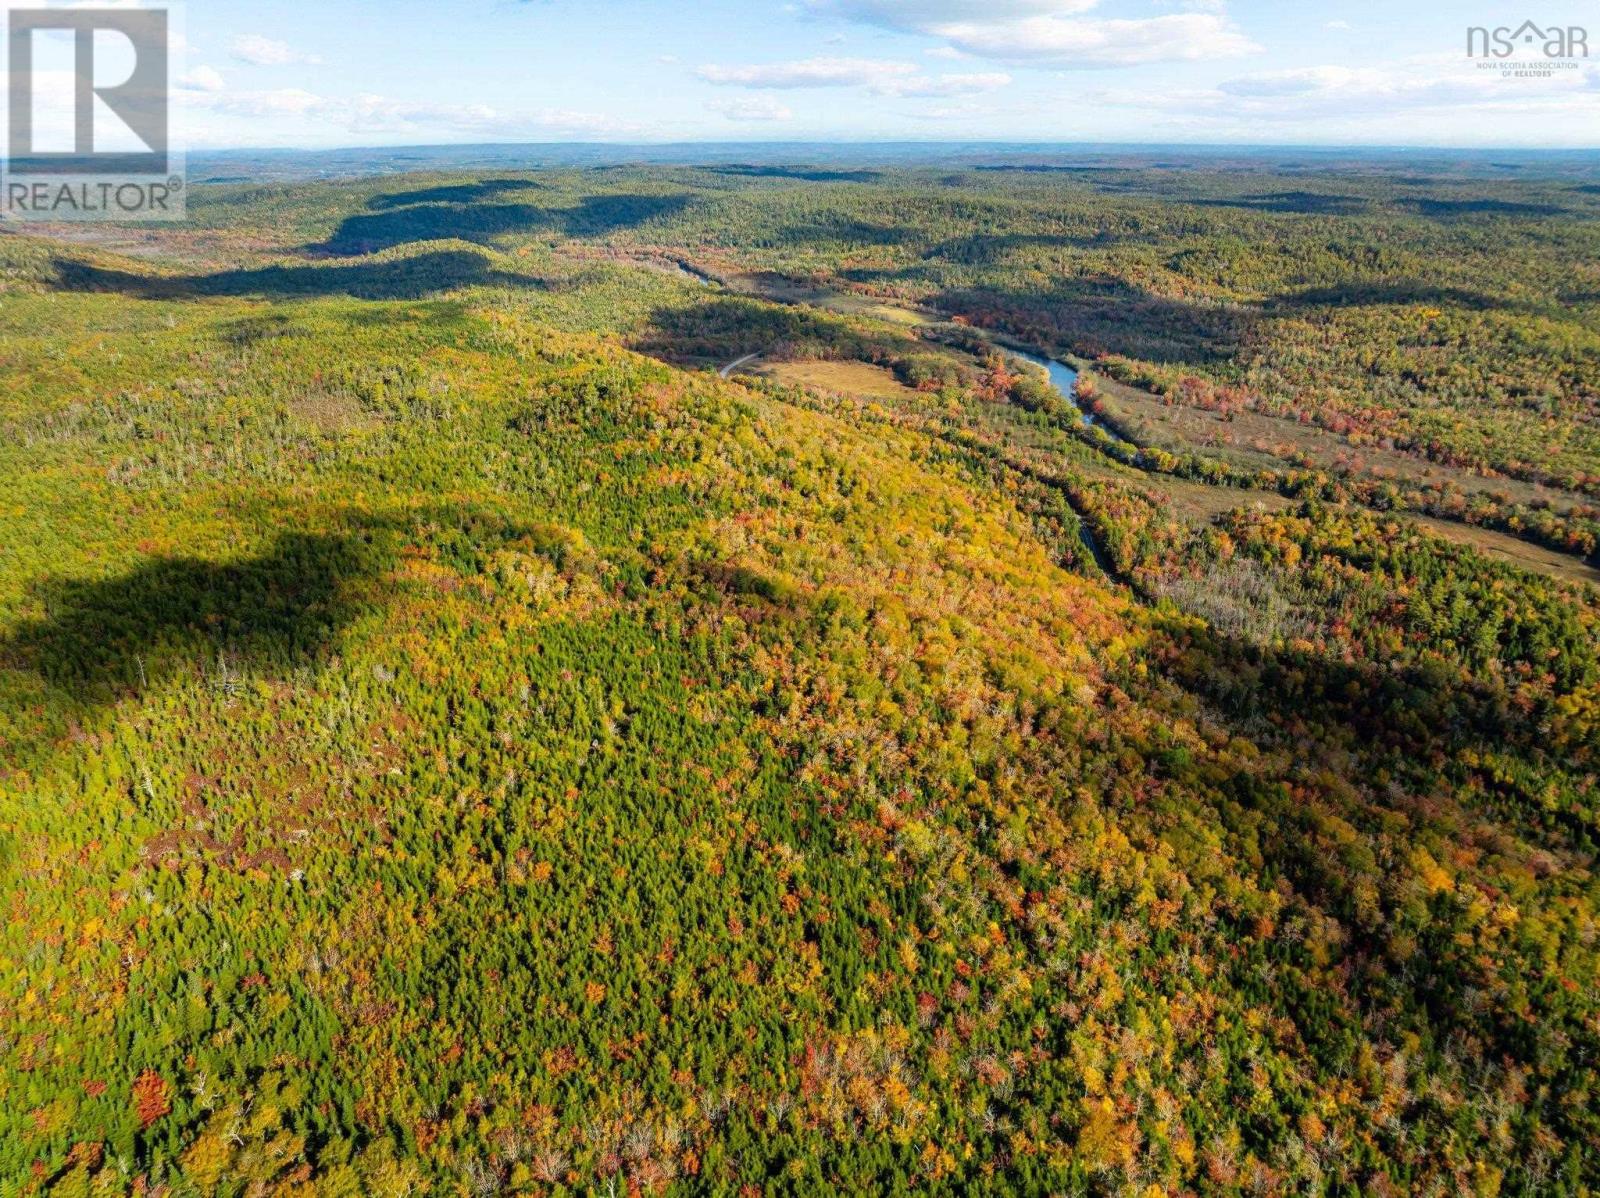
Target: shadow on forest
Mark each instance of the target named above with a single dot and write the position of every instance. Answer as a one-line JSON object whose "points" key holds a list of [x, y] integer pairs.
{"points": [[805, 174], [1100, 315], [1048, 169], [1355, 294], [227, 622], [401, 278], [848, 231], [1455, 208], [724, 327], [1409, 713], [1374, 722], [1307, 203], [458, 193], [104, 636], [988, 249], [595, 216]]}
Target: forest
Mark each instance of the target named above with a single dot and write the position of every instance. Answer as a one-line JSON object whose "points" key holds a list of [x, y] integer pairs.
{"points": [[460, 734]]}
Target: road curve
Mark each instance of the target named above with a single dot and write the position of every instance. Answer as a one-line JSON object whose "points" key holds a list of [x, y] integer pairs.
{"points": [[736, 363]]}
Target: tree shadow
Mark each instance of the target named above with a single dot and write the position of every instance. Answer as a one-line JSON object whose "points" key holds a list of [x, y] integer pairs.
{"points": [[1375, 727], [602, 214], [1414, 712], [1305, 203], [840, 229], [723, 327], [1042, 168], [457, 193], [988, 249], [1100, 315], [106, 639], [1402, 292], [1448, 209], [400, 278], [226, 622], [805, 174], [595, 216]]}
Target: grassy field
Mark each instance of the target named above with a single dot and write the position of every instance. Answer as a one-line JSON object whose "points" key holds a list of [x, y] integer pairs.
{"points": [[847, 378], [1254, 439]]}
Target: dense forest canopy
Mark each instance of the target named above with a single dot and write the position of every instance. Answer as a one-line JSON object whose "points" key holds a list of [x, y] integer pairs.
{"points": [[452, 740]]}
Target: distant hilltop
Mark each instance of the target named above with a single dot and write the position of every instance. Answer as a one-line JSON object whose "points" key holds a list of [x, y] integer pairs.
{"points": [[261, 165]]}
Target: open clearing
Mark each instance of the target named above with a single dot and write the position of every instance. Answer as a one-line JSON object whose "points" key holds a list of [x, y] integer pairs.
{"points": [[1257, 440], [845, 378]]}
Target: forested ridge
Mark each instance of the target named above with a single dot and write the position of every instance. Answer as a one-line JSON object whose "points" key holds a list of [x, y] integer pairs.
{"points": [[453, 742]]}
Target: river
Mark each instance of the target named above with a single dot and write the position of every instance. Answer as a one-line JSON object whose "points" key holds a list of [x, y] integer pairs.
{"points": [[1063, 378], [1496, 544]]}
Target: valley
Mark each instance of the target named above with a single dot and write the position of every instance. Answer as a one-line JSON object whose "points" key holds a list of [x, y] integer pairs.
{"points": [[625, 677]]}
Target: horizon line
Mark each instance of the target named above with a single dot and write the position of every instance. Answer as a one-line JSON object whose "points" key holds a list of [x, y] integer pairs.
{"points": [[974, 142]]}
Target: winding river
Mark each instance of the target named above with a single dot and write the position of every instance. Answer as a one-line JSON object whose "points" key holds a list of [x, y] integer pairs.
{"points": [[1492, 542], [1062, 377]]}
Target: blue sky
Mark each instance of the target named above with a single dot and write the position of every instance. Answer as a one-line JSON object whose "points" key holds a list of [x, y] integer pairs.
{"points": [[375, 72]]}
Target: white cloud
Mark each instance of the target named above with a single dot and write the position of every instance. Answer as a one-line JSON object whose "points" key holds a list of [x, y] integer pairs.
{"points": [[810, 72], [1337, 25], [1437, 98], [751, 108], [920, 15], [953, 85], [261, 51], [884, 78], [1068, 44], [368, 114], [1305, 80], [1053, 33], [1391, 87], [202, 79], [965, 110], [278, 102], [380, 114]]}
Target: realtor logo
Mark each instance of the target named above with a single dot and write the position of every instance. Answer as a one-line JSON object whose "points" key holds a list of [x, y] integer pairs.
{"points": [[1528, 50], [89, 131]]}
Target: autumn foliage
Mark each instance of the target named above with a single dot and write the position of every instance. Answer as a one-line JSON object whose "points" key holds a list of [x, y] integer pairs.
{"points": [[451, 741]]}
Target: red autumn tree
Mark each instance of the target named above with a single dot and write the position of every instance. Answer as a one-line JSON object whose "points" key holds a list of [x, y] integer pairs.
{"points": [[151, 1097]]}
